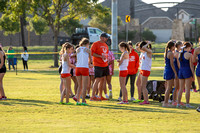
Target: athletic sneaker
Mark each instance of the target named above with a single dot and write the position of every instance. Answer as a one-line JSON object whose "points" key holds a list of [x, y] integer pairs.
{"points": [[110, 95], [123, 102], [119, 99], [189, 106], [198, 109], [178, 106], [102, 98], [95, 99], [61, 103], [182, 104], [195, 90], [84, 104], [68, 103], [75, 99], [174, 103], [3, 98], [143, 103], [78, 103], [132, 99], [138, 101], [87, 97]]}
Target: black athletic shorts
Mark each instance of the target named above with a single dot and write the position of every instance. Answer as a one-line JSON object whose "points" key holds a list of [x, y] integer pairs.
{"points": [[101, 71]]}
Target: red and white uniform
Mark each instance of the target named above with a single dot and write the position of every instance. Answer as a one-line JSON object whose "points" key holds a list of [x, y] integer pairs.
{"points": [[82, 66], [145, 64], [65, 68], [123, 68]]}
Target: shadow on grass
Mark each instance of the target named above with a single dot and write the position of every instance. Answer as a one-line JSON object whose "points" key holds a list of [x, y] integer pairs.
{"points": [[143, 108], [26, 102]]}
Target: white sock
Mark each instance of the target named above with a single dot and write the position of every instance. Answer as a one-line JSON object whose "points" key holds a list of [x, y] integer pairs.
{"points": [[88, 94], [106, 95]]}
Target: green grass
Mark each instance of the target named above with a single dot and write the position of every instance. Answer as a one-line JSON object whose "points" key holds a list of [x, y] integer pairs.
{"points": [[34, 97], [33, 107]]}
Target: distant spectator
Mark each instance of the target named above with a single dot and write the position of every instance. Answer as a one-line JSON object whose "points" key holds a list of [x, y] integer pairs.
{"points": [[11, 58], [24, 57]]}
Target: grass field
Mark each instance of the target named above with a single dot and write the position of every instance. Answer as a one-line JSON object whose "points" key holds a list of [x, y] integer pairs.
{"points": [[34, 97]]}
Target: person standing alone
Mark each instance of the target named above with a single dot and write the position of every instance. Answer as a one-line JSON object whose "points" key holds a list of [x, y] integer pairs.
{"points": [[11, 58]]}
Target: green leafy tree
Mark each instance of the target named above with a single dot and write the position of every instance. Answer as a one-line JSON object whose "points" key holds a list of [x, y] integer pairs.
{"points": [[148, 35], [39, 25], [54, 11], [69, 25], [3, 4], [9, 26], [104, 22]]}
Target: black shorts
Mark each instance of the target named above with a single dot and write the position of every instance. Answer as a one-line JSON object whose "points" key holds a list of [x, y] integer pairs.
{"points": [[3, 69], [101, 71], [60, 69], [72, 72]]}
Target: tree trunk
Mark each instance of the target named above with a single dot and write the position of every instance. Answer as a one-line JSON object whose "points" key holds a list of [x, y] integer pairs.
{"points": [[22, 30], [40, 40], [55, 48]]}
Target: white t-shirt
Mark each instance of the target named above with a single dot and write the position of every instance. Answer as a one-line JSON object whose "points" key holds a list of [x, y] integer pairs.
{"points": [[82, 58], [145, 62]]}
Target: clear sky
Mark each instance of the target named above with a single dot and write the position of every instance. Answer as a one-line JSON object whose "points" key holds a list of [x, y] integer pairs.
{"points": [[159, 5]]}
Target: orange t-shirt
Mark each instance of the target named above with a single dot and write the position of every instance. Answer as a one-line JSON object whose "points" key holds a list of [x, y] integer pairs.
{"points": [[100, 49]]}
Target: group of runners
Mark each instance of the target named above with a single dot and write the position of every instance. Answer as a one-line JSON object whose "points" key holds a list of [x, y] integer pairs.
{"points": [[94, 67]]}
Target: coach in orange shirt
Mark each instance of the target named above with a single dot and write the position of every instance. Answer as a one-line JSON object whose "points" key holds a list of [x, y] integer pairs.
{"points": [[99, 52]]}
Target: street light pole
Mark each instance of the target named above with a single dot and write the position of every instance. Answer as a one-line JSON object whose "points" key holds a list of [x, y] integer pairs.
{"points": [[114, 26]]}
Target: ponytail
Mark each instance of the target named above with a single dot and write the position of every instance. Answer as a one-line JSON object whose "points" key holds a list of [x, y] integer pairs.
{"points": [[181, 56], [166, 49], [170, 44], [124, 45]]}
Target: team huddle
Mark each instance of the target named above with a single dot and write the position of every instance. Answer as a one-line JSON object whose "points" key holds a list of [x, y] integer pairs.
{"points": [[94, 67]]}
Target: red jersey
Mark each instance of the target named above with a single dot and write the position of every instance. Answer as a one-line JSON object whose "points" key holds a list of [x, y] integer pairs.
{"points": [[133, 63], [100, 49]]}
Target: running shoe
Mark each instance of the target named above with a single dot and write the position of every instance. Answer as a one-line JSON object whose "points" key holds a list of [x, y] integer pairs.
{"points": [[78, 103], [123, 102], [84, 104], [198, 109], [143, 103], [138, 101], [68, 103], [103, 99], [71, 96], [75, 99], [95, 99], [178, 106], [119, 99], [87, 97], [189, 106], [3, 98], [182, 104], [132, 99], [174, 103], [61, 103], [195, 90]]}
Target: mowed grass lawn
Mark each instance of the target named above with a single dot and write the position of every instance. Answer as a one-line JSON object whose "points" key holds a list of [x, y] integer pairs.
{"points": [[33, 98]]}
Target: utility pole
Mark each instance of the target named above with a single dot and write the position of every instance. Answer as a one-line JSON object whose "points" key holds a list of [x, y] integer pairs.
{"points": [[132, 8], [114, 44]]}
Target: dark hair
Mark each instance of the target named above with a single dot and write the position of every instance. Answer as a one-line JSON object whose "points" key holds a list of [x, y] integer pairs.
{"points": [[143, 43], [178, 44], [25, 49], [125, 45], [170, 44], [130, 43], [1, 49], [84, 41], [77, 46], [137, 44], [68, 45], [185, 45]]}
